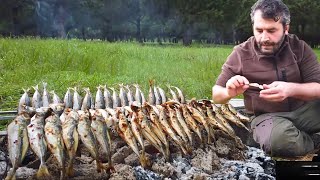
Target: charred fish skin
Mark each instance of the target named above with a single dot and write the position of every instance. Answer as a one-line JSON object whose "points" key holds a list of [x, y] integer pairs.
{"points": [[18, 142], [38, 143], [102, 134], [70, 138], [53, 135]]}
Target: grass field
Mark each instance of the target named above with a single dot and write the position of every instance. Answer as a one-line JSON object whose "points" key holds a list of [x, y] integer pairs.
{"points": [[62, 64], [69, 63]]}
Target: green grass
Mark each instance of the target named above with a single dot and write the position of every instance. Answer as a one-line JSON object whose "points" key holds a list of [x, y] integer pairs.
{"points": [[62, 64], [68, 63]]}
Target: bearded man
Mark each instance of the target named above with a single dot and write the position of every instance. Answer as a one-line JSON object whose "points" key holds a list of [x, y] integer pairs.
{"points": [[286, 105]]}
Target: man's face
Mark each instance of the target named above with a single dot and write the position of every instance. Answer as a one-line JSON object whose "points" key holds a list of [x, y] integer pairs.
{"points": [[269, 34]]}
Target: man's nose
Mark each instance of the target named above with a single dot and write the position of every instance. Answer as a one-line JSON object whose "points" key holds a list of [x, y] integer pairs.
{"points": [[265, 36]]}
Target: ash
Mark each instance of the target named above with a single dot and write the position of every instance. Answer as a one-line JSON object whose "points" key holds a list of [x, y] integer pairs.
{"points": [[256, 166]]}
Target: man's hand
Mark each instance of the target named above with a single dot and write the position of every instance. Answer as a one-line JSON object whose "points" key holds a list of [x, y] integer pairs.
{"points": [[236, 85], [276, 91]]}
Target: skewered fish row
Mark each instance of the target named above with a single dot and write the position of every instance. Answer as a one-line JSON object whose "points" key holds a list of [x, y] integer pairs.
{"points": [[58, 126]]}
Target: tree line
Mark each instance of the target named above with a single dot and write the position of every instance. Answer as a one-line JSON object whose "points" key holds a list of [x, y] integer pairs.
{"points": [[206, 21]]}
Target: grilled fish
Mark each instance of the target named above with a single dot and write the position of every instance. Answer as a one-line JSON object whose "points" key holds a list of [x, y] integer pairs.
{"points": [[102, 134], [88, 139], [38, 143], [70, 137], [18, 142], [53, 135]]}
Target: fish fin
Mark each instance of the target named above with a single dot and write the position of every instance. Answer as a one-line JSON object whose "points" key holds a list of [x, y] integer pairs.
{"points": [[43, 172]]}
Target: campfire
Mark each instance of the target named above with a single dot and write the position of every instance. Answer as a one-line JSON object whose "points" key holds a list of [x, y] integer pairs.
{"points": [[123, 136]]}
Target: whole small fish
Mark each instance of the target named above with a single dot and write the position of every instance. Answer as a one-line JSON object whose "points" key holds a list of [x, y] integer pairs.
{"points": [[174, 95], [86, 102], [157, 129], [197, 115], [137, 96], [55, 99], [18, 142], [152, 97], [88, 139], [77, 99], [99, 100], [24, 101], [175, 124], [129, 95], [70, 138], [183, 124], [167, 128], [158, 99], [136, 131], [242, 117], [36, 98], [115, 98], [45, 95], [38, 143], [148, 132], [53, 134], [107, 97], [102, 133], [190, 121], [123, 96], [231, 117], [162, 95], [68, 99], [180, 95]]}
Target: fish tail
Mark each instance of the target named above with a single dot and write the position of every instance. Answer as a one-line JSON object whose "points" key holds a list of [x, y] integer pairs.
{"points": [[43, 172], [144, 161]]}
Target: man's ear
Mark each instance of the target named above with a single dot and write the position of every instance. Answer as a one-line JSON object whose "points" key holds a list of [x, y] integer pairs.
{"points": [[286, 29]]}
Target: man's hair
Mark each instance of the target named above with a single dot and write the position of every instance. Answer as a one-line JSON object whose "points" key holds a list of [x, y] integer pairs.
{"points": [[272, 9]]}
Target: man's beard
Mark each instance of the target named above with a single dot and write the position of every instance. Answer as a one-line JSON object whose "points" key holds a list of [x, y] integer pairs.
{"points": [[273, 47]]}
